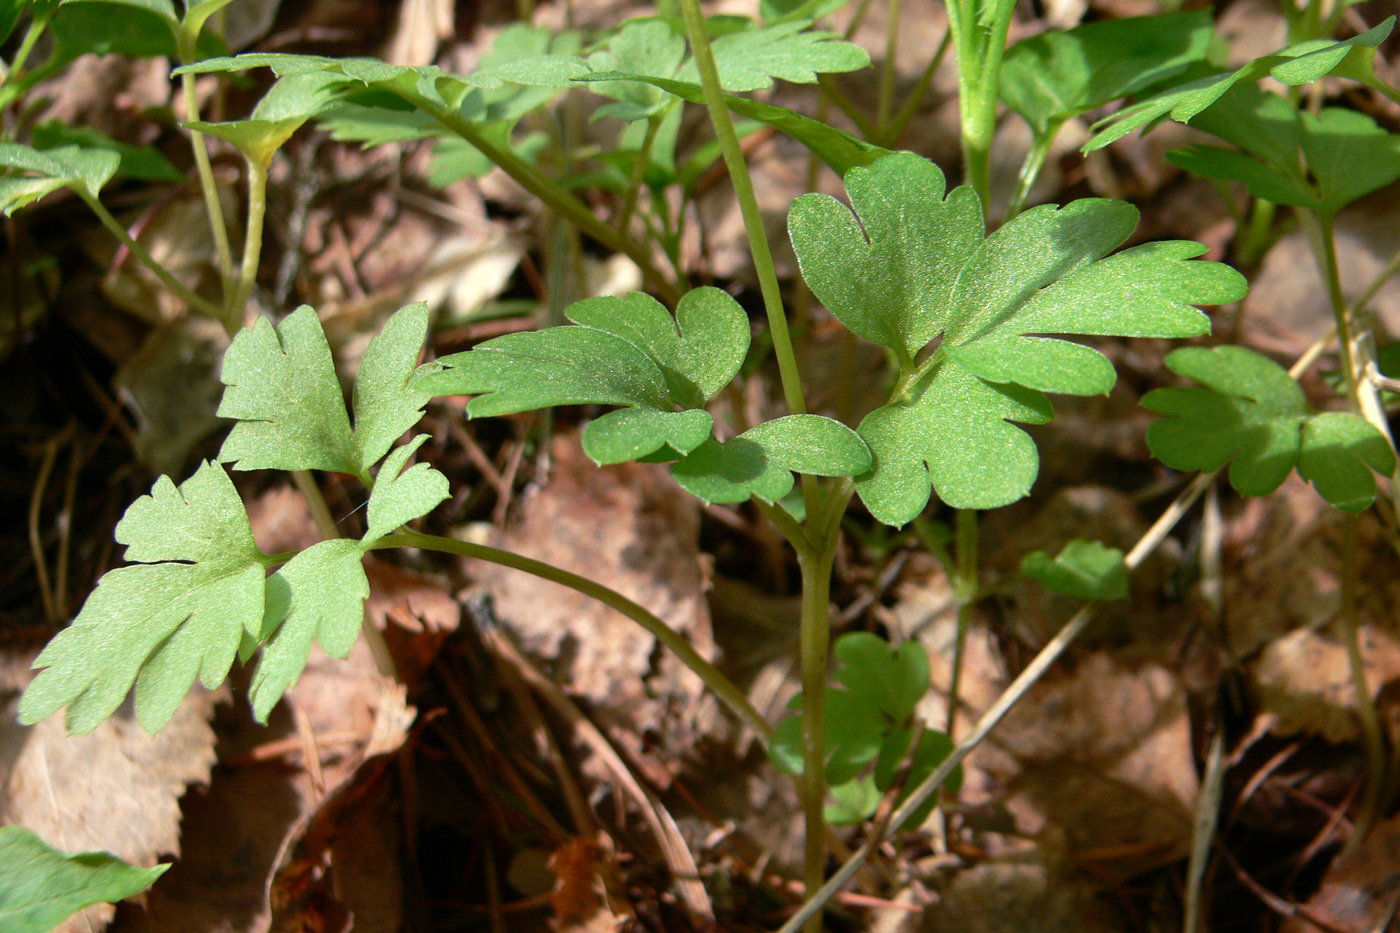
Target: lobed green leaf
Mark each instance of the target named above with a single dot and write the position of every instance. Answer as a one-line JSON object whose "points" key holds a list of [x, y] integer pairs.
{"points": [[1251, 414], [144, 163], [905, 265], [85, 170], [41, 887], [1083, 569], [760, 462], [749, 60], [399, 496], [195, 586]]}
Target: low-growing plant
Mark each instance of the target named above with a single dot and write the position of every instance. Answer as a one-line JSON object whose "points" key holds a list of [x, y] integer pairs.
{"points": [[972, 318]]}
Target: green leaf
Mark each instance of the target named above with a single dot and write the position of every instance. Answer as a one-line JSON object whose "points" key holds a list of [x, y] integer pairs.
{"points": [[387, 399], [837, 148], [893, 680], [760, 461], [1346, 154], [85, 170], [781, 11], [632, 433], [1252, 415], [641, 47], [1083, 569], [10, 11], [282, 389], [318, 595], [621, 351], [853, 802], [750, 59], [1293, 66], [134, 28], [195, 586], [1056, 75], [41, 887], [399, 496], [910, 265], [144, 163], [286, 106], [933, 749]]}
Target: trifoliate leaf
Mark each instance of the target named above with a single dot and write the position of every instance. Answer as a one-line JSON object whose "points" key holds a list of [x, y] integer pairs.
{"points": [[760, 461], [286, 106], [318, 595], [1344, 153], [41, 887], [387, 400], [144, 163], [1252, 415], [400, 495], [1056, 75], [893, 680], [837, 148], [85, 170], [282, 389], [621, 351], [910, 265], [853, 802], [196, 585], [750, 59], [1083, 569], [1293, 66]]}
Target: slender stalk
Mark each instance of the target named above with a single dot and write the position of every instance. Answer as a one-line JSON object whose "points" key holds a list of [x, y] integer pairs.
{"points": [[965, 590], [169, 281], [1371, 735], [237, 311], [816, 639], [1030, 168], [723, 688], [218, 227], [885, 102], [634, 184], [554, 197], [748, 205], [1207, 812], [911, 103], [833, 94], [980, 50], [8, 91]]}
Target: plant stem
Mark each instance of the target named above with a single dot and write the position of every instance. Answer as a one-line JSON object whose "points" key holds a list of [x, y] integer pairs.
{"points": [[911, 103], [748, 205], [1030, 168], [980, 49], [1372, 737], [885, 101], [554, 197], [723, 688], [237, 311], [140, 252], [217, 225], [8, 91], [634, 184], [965, 590]]}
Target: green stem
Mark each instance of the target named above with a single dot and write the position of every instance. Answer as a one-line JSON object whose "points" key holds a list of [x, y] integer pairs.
{"points": [[916, 96], [816, 639], [237, 311], [1372, 737], [965, 590], [832, 93], [1255, 239], [8, 91], [1030, 168], [885, 101], [748, 205], [139, 251], [1324, 242], [980, 50], [554, 197], [639, 171], [218, 227], [723, 688]]}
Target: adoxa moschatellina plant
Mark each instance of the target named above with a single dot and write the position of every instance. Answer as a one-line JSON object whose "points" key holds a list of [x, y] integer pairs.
{"points": [[972, 323]]}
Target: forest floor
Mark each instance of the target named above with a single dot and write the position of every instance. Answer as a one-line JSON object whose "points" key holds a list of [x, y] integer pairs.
{"points": [[540, 760]]}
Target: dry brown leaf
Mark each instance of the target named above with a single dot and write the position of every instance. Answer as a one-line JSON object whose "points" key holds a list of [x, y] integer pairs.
{"points": [[1359, 893], [116, 789], [631, 529], [1021, 898], [1304, 679], [589, 893]]}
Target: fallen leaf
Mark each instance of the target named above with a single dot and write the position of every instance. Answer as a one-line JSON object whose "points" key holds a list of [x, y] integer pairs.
{"points": [[1359, 892], [1304, 679]]}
